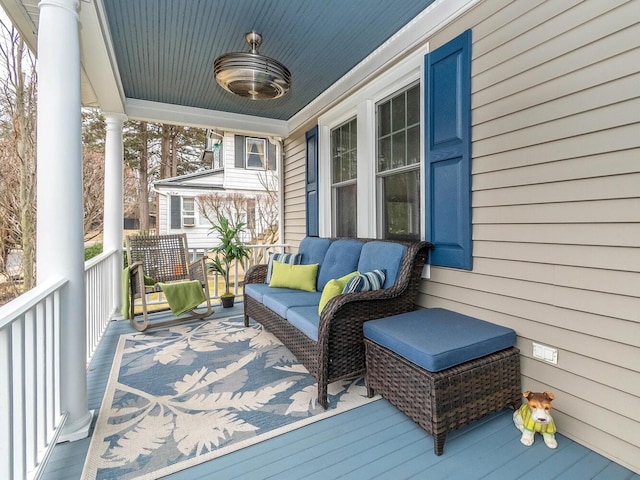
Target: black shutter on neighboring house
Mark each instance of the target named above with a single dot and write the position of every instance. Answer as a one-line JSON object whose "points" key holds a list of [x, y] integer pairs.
{"points": [[176, 212], [239, 140], [271, 156], [311, 183]]}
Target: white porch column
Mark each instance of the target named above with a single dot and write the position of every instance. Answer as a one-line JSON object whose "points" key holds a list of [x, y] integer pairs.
{"points": [[113, 200], [60, 239]]}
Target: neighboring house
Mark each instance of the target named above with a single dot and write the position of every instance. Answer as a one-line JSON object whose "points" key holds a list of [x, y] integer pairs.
{"points": [[241, 165]]}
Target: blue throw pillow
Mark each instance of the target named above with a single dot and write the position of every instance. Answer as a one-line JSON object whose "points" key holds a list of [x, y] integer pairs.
{"points": [[366, 282], [288, 258]]}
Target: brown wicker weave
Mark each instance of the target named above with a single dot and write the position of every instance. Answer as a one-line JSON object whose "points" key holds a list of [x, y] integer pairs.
{"points": [[339, 351], [164, 258], [444, 401]]}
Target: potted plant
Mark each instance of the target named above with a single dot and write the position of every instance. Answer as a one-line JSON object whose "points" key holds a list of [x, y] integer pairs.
{"points": [[230, 249]]}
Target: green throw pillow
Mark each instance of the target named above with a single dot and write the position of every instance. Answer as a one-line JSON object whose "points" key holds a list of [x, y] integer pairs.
{"points": [[299, 277], [333, 288]]}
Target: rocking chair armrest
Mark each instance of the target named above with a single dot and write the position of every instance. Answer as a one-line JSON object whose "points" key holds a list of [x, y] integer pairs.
{"points": [[135, 266], [198, 271], [136, 278]]}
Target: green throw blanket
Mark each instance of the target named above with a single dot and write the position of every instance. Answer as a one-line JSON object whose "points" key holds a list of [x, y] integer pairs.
{"points": [[180, 298], [183, 297]]}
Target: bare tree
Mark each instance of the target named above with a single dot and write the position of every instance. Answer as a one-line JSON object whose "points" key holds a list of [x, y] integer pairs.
{"points": [[143, 186], [18, 97], [266, 211]]}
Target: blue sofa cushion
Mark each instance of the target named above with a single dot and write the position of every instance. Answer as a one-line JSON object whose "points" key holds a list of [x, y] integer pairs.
{"points": [[313, 249], [257, 290], [382, 256], [436, 339], [283, 300], [305, 319], [341, 258]]}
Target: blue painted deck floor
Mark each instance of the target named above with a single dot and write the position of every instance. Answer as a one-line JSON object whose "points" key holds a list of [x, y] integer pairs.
{"points": [[375, 441]]}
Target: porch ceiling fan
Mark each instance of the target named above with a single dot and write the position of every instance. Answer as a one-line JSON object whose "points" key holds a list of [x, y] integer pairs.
{"points": [[251, 75]]}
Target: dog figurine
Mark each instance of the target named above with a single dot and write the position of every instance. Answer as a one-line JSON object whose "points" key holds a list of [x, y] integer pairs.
{"points": [[534, 416]]}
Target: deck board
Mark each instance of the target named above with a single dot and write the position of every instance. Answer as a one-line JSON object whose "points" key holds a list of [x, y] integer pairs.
{"points": [[375, 441]]}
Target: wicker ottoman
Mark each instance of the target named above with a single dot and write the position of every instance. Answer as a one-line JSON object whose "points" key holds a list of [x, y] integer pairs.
{"points": [[442, 369]]}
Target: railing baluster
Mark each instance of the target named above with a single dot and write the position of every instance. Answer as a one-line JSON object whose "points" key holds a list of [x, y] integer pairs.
{"points": [[6, 402], [31, 413]]}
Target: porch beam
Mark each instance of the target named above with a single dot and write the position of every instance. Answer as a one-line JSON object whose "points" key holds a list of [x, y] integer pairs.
{"points": [[60, 242]]}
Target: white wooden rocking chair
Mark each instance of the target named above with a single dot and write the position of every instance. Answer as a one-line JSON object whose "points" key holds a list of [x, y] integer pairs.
{"points": [[154, 259]]}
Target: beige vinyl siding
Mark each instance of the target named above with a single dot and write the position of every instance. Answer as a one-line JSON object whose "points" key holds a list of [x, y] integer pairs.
{"points": [[556, 205], [294, 190]]}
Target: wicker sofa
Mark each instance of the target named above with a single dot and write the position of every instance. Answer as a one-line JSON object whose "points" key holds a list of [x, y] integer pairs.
{"points": [[330, 344]]}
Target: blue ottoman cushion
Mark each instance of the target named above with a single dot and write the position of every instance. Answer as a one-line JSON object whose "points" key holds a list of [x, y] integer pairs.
{"points": [[436, 339]]}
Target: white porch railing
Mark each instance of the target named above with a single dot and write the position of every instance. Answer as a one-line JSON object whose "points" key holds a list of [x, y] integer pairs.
{"points": [[259, 254], [31, 417], [99, 285], [30, 412]]}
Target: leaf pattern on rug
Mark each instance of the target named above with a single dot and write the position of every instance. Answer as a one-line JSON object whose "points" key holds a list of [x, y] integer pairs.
{"points": [[197, 390]]}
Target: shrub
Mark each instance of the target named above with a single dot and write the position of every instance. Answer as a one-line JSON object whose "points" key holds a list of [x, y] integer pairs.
{"points": [[92, 251]]}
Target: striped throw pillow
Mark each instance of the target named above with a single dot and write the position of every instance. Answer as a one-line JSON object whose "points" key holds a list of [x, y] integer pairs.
{"points": [[289, 258], [365, 282]]}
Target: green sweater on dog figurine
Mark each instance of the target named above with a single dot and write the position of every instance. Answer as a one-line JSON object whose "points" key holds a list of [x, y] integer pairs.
{"points": [[534, 416]]}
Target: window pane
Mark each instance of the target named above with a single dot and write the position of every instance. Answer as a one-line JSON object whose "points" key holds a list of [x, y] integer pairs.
{"points": [[353, 135], [384, 119], [398, 113], [413, 106], [399, 150], [345, 212], [335, 142], [401, 206], [413, 145], [344, 155], [188, 205], [384, 154], [255, 152]]}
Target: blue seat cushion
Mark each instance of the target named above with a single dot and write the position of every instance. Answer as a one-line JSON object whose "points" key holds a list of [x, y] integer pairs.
{"points": [[284, 299], [313, 250], [379, 255], [257, 290], [436, 339], [341, 258], [305, 319]]}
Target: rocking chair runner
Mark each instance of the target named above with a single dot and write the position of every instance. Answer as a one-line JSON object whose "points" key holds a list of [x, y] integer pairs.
{"points": [[164, 259]]}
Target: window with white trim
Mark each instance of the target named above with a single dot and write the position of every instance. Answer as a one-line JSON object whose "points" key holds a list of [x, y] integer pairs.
{"points": [[188, 212], [256, 149], [398, 165], [344, 153]]}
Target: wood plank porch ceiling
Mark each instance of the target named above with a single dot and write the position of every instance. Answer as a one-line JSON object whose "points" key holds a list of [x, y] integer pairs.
{"points": [[165, 49]]}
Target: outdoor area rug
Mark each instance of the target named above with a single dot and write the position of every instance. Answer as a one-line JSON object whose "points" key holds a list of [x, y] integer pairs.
{"points": [[186, 394]]}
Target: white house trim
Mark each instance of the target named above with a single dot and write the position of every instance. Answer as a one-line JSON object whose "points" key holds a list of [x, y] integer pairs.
{"points": [[199, 117]]}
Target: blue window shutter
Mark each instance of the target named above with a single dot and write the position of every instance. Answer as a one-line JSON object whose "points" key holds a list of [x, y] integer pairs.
{"points": [[311, 183], [239, 144], [448, 153], [176, 212]]}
